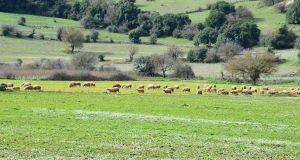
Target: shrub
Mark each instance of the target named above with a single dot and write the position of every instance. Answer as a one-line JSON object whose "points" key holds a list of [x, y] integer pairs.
{"points": [[270, 2], [84, 61], [22, 21], [19, 34], [223, 6], [265, 40], [101, 58], [215, 19], [144, 66], [197, 54], [174, 52], [244, 33], [41, 36], [132, 50], [207, 36], [228, 50], [283, 39], [212, 56], [153, 39], [31, 34], [87, 39], [176, 33], [280, 7], [59, 33], [7, 30], [293, 13], [134, 36], [189, 31], [48, 64], [94, 35], [244, 13], [297, 43], [184, 71], [89, 21]]}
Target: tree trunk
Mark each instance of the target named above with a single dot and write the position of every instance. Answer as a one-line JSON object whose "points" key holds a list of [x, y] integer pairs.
{"points": [[72, 48]]}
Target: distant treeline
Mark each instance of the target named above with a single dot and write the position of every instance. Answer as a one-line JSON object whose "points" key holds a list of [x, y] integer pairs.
{"points": [[56, 8]]}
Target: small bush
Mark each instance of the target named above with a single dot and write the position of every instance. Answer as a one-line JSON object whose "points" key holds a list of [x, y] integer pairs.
{"points": [[101, 58], [153, 39], [22, 21], [189, 31], [19, 34], [283, 39], [297, 43], [41, 36], [84, 61], [212, 56], [176, 33], [183, 71], [197, 54], [112, 28], [228, 50], [134, 36], [48, 64], [244, 13], [94, 35], [293, 13], [144, 66], [8, 30], [59, 34], [87, 38], [280, 7]]}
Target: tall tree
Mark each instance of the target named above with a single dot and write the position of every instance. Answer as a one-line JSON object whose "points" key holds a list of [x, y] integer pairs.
{"points": [[74, 37]]}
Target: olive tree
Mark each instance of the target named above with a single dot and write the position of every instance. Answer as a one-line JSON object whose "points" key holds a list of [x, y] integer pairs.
{"points": [[74, 37]]}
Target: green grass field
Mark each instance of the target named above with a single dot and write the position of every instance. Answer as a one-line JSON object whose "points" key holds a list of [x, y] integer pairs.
{"points": [[86, 123]]}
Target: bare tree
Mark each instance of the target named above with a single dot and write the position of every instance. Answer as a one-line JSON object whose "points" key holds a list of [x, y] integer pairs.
{"points": [[133, 50], [163, 63], [252, 65], [175, 52], [74, 37]]}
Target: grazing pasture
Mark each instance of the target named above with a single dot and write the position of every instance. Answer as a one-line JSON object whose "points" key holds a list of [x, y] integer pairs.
{"points": [[121, 126]]}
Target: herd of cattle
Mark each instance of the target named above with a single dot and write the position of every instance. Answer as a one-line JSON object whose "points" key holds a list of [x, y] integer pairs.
{"points": [[165, 89]]}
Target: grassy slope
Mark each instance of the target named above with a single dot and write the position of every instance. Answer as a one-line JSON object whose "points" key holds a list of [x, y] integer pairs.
{"points": [[267, 18], [47, 26], [44, 125], [30, 50]]}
